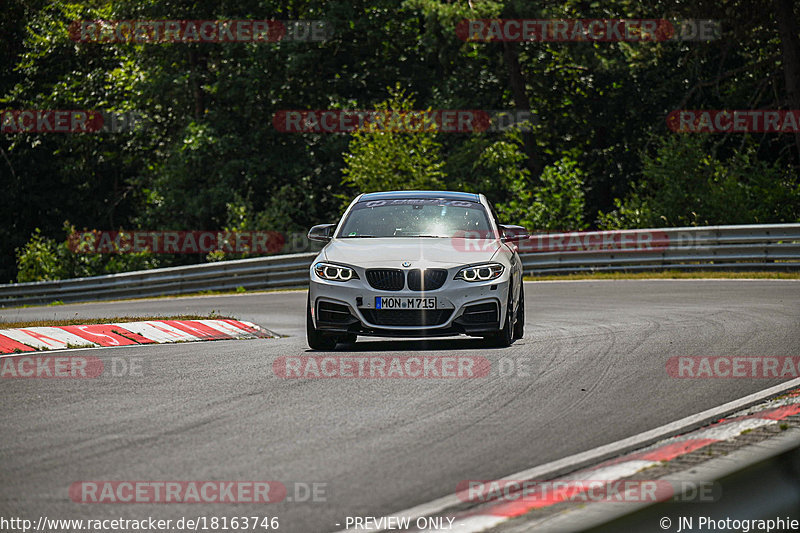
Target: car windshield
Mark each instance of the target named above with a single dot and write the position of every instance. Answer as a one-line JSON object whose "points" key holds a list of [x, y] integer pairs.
{"points": [[416, 218]]}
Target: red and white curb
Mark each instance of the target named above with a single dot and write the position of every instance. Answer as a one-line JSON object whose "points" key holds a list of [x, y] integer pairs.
{"points": [[616, 469], [126, 333]]}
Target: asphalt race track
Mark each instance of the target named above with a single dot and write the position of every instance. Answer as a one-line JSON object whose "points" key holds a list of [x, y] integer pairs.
{"points": [[595, 355]]}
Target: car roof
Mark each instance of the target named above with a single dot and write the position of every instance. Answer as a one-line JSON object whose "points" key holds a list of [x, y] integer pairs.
{"points": [[444, 195]]}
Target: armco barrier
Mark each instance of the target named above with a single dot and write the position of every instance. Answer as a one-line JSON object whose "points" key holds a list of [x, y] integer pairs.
{"points": [[749, 247], [256, 273]]}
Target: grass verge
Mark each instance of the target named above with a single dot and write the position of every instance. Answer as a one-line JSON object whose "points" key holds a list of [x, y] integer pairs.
{"points": [[164, 296], [85, 321], [669, 274]]}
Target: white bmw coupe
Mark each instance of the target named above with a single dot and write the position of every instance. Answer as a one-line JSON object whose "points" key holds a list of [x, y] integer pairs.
{"points": [[413, 264]]}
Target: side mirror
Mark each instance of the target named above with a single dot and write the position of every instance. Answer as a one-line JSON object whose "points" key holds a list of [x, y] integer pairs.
{"points": [[321, 232], [513, 233]]}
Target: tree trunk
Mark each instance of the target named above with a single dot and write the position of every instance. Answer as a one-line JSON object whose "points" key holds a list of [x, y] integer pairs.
{"points": [[521, 102], [790, 44], [197, 69]]}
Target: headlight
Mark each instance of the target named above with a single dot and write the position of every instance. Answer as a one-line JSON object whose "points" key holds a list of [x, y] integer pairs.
{"points": [[485, 272], [334, 272]]}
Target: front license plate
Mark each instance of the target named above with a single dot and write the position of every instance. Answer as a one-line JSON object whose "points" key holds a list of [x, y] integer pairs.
{"points": [[394, 302]]}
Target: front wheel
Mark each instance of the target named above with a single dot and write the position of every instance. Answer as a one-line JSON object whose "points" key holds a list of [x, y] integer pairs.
{"points": [[505, 337], [519, 325], [315, 339]]}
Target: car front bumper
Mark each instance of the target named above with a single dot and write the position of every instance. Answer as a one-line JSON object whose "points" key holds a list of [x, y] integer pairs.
{"points": [[476, 308]]}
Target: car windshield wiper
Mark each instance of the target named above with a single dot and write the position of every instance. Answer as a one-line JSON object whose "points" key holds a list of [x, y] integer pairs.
{"points": [[360, 237]]}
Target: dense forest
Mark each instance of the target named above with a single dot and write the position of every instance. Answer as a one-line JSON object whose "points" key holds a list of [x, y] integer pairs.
{"points": [[207, 155]]}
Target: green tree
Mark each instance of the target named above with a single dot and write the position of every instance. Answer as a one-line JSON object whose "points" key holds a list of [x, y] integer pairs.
{"points": [[556, 204], [37, 261], [209, 141], [382, 158], [686, 184]]}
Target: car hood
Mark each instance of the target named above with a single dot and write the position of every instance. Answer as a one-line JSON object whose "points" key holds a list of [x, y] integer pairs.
{"points": [[393, 251]]}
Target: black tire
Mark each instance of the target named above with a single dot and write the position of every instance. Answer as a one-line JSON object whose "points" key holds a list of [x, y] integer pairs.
{"points": [[505, 337], [315, 339], [519, 326]]}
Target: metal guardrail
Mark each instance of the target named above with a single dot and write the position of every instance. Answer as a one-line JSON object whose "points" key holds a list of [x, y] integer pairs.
{"points": [[256, 273], [748, 247]]}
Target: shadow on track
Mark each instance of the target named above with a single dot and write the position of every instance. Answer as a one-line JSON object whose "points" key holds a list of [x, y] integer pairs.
{"points": [[415, 345]]}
